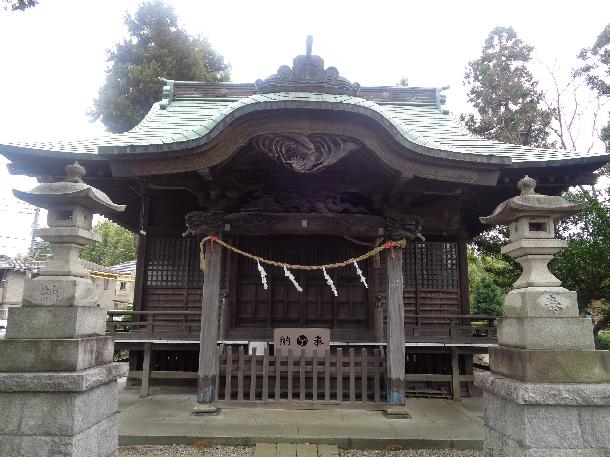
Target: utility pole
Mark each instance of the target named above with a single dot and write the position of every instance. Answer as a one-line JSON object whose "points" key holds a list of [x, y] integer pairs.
{"points": [[32, 252]]}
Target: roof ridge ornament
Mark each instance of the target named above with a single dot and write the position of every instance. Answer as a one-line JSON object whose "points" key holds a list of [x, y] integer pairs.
{"points": [[307, 75]]}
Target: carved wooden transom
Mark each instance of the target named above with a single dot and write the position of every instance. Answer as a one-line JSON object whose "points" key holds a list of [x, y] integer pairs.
{"points": [[305, 153]]}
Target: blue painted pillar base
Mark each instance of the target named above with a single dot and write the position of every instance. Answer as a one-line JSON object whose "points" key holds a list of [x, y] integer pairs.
{"points": [[396, 395], [206, 394]]}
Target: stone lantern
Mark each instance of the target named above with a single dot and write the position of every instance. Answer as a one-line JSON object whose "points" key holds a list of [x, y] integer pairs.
{"points": [[58, 389], [547, 387]]}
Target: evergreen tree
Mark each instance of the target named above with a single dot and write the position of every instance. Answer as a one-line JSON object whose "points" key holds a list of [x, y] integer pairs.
{"points": [[117, 245], [584, 266], [156, 47], [596, 70], [505, 94], [485, 297]]}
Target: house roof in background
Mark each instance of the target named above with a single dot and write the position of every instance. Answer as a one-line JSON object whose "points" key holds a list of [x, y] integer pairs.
{"points": [[11, 263], [125, 268]]}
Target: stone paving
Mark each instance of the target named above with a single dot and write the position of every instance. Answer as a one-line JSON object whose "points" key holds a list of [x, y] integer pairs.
{"points": [[165, 418], [295, 450]]}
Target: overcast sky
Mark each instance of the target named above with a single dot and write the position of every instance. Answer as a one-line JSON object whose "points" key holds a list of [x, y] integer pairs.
{"points": [[52, 57]]}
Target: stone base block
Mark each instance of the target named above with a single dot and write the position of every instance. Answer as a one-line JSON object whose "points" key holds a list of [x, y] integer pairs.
{"points": [[498, 445], [78, 381], [99, 440], [557, 333], [533, 420], [59, 291], [56, 413], [31, 355], [550, 366], [397, 412], [541, 302], [205, 409], [56, 322], [543, 393]]}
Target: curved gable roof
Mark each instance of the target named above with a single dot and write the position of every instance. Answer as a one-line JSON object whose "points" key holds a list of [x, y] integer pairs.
{"points": [[190, 122], [192, 114]]}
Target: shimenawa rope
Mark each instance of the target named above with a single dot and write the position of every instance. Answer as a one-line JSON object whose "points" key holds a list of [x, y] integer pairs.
{"points": [[214, 239]]}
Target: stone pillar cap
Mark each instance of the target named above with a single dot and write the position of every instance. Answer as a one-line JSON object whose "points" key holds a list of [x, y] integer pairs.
{"points": [[70, 191], [529, 203]]}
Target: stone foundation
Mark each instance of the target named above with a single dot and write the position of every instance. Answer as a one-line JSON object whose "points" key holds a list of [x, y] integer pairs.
{"points": [[536, 420], [60, 414]]}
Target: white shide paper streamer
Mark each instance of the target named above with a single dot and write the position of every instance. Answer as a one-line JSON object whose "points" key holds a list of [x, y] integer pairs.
{"points": [[263, 273], [359, 271], [330, 282], [290, 276]]}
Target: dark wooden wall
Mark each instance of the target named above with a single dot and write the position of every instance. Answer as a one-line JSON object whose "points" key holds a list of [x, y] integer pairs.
{"points": [[433, 284]]}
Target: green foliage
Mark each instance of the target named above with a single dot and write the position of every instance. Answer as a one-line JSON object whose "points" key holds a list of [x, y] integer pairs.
{"points": [[156, 47], [117, 245], [596, 70], [602, 341], [41, 252], [505, 94], [584, 265], [502, 269], [485, 297], [487, 284]]}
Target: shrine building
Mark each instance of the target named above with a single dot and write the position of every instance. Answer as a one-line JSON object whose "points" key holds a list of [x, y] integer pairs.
{"points": [[303, 168]]}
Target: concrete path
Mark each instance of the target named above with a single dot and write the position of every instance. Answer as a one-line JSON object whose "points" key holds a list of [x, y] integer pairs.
{"points": [[165, 418], [295, 450]]}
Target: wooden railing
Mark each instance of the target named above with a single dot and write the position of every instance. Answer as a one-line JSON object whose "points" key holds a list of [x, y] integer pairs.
{"points": [[457, 327], [186, 324], [160, 324], [357, 375]]}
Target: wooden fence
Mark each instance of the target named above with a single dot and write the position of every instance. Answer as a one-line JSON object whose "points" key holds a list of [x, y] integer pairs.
{"points": [[355, 375]]}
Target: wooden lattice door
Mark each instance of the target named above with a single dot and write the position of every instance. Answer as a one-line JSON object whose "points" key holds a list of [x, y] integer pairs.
{"points": [[282, 305], [431, 281]]}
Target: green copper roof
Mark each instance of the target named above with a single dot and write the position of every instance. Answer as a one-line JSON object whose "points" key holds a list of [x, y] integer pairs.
{"points": [[187, 122]]}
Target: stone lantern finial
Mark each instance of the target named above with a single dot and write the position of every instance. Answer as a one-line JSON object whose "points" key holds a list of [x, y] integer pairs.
{"points": [[75, 172], [527, 185]]}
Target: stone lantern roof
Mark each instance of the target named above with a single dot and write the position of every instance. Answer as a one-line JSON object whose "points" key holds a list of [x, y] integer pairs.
{"points": [[71, 191], [529, 203]]}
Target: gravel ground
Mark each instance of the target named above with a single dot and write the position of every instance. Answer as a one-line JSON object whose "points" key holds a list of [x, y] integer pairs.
{"points": [[408, 453], [241, 451]]}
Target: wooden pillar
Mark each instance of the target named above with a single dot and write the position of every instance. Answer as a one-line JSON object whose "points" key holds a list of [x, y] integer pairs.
{"points": [[455, 374], [463, 270], [138, 287], [395, 331], [208, 355], [144, 389]]}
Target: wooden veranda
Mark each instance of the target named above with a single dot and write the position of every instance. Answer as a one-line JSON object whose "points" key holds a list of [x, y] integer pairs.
{"points": [[165, 338]]}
